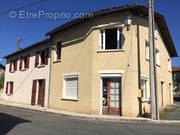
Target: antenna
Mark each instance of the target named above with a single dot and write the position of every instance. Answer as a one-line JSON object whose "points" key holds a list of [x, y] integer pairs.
{"points": [[18, 44]]}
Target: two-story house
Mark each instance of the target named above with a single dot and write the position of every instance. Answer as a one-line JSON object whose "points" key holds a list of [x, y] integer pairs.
{"points": [[27, 75], [99, 63], [94, 65]]}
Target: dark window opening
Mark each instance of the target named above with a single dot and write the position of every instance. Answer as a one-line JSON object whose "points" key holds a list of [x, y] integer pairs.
{"points": [[9, 87], [26, 62], [37, 59], [111, 38], [15, 65], [10, 66], [42, 57], [58, 51]]}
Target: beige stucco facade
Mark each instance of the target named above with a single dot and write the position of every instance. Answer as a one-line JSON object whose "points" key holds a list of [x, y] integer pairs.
{"points": [[81, 55]]}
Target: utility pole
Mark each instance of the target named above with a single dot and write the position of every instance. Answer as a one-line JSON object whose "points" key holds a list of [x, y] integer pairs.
{"points": [[152, 58]]}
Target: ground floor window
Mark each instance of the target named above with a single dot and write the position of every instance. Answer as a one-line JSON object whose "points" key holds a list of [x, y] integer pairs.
{"points": [[9, 87], [144, 89], [70, 87]]}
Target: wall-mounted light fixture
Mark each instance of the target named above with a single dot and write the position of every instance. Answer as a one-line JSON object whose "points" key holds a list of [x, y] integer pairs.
{"points": [[128, 22]]}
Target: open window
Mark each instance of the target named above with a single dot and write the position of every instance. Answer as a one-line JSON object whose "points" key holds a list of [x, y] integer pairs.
{"points": [[10, 66], [9, 88], [157, 55], [147, 50], [111, 39], [144, 89], [13, 65], [58, 51], [147, 54], [42, 57], [24, 62], [169, 65]]}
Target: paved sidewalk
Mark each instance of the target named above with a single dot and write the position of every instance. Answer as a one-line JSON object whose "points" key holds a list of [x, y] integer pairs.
{"points": [[87, 116], [174, 115]]}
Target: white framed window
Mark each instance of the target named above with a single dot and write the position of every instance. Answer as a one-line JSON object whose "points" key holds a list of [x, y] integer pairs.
{"points": [[147, 50], [144, 88], [70, 87], [169, 65], [157, 55], [111, 39], [9, 88], [155, 34]]}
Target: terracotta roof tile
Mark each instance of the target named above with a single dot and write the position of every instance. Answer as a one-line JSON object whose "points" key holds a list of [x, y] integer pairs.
{"points": [[175, 69]]}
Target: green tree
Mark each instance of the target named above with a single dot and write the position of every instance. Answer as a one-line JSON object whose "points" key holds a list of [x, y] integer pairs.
{"points": [[177, 83], [2, 81]]}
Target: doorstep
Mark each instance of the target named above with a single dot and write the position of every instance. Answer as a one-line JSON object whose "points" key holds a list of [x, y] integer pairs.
{"points": [[87, 116]]}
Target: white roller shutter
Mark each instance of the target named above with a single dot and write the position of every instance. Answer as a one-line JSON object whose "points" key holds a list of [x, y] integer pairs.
{"points": [[71, 87]]}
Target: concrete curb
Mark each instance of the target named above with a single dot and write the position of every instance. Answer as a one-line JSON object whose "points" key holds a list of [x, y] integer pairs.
{"points": [[94, 117]]}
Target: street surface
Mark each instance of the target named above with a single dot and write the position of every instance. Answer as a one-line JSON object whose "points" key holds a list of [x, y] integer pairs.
{"points": [[15, 121]]}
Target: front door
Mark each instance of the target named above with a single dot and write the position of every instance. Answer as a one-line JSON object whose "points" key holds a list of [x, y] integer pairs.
{"points": [[33, 97], [112, 96], [41, 92]]}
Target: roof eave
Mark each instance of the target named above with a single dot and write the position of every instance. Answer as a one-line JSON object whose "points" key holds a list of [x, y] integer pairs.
{"points": [[27, 48], [162, 23]]}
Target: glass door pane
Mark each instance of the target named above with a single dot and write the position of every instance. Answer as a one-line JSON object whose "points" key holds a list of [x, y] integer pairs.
{"points": [[114, 92]]}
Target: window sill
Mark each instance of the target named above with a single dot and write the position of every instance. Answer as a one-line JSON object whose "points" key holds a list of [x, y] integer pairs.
{"points": [[170, 71], [23, 69], [41, 66], [57, 61], [12, 71], [147, 59], [158, 65], [69, 99], [144, 100], [111, 50]]}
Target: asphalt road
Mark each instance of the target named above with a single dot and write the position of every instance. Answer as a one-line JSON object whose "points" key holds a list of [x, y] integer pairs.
{"points": [[15, 121], [176, 114]]}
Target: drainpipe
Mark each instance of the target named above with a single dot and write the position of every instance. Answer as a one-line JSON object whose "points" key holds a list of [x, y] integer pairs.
{"points": [[139, 70], [50, 66]]}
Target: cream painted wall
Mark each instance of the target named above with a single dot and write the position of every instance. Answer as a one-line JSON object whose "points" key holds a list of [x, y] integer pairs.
{"points": [[163, 73], [80, 55], [23, 79]]}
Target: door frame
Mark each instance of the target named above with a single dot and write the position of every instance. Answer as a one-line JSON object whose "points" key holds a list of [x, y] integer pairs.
{"points": [[41, 90], [37, 90], [109, 75]]}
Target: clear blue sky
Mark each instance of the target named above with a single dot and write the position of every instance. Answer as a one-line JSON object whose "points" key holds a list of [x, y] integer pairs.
{"points": [[33, 30]]}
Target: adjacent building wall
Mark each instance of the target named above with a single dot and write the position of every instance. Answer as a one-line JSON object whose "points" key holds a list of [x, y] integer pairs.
{"points": [[23, 79]]}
